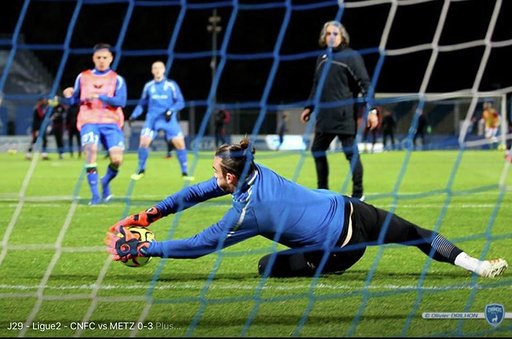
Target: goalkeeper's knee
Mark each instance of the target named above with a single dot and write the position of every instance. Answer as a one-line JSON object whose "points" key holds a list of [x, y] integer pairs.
{"points": [[285, 265]]}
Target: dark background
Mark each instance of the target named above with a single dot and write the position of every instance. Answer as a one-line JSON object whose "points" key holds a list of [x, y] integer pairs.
{"points": [[248, 54], [256, 31]]}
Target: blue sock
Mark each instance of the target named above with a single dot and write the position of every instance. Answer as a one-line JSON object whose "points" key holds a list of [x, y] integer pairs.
{"points": [[182, 158], [143, 157], [92, 179], [112, 172]]}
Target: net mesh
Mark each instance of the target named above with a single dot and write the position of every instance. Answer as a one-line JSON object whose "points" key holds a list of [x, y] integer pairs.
{"points": [[274, 53]]}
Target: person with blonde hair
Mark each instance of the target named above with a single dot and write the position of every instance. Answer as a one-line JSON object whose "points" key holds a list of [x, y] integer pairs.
{"points": [[492, 122]]}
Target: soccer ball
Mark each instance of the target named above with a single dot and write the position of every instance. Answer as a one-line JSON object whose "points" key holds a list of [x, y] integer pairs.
{"points": [[143, 234]]}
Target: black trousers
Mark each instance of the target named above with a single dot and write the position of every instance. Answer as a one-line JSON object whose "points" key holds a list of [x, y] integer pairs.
{"points": [[219, 135], [370, 226], [385, 135], [34, 140], [420, 135], [319, 147], [58, 132], [74, 133]]}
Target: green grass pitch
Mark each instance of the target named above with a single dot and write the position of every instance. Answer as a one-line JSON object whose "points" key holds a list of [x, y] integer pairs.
{"points": [[57, 279]]}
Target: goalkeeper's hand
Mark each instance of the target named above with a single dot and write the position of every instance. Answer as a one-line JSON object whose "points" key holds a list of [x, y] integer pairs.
{"points": [[126, 246], [373, 119], [144, 219], [168, 115]]}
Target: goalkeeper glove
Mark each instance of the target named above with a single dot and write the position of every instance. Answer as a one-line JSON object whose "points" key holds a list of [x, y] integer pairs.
{"points": [[124, 245], [168, 115], [53, 102], [143, 219]]}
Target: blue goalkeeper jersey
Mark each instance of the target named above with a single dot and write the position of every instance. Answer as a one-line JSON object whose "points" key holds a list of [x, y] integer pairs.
{"points": [[157, 98], [266, 204]]}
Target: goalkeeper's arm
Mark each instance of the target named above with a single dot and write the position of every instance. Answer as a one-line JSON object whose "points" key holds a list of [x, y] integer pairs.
{"points": [[174, 203]]}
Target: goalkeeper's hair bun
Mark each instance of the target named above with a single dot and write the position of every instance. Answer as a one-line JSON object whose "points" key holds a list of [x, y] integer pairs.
{"points": [[234, 157]]}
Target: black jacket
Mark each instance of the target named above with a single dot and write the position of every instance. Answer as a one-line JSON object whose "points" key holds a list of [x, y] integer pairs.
{"points": [[346, 78]]}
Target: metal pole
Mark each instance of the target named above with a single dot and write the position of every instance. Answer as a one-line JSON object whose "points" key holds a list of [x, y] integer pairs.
{"points": [[214, 28]]}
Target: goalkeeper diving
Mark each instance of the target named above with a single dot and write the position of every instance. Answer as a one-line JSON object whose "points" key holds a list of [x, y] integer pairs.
{"points": [[325, 232]]}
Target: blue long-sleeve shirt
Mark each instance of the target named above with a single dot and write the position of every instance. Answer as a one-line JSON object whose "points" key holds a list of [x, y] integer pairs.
{"points": [[118, 100], [267, 205], [159, 97]]}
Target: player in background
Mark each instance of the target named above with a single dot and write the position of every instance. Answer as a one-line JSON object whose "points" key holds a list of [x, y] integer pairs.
{"points": [[508, 145], [221, 119], [325, 231], [346, 78], [101, 94], [162, 98], [282, 128], [73, 132], [422, 129], [38, 115], [170, 148], [388, 128], [492, 121], [369, 132], [55, 127]]}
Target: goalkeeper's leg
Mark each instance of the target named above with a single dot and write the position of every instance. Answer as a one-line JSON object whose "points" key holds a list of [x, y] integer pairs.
{"points": [[290, 263], [286, 264], [383, 227]]}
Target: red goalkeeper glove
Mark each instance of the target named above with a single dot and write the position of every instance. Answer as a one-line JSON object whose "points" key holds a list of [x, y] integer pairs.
{"points": [[143, 219], [124, 245]]}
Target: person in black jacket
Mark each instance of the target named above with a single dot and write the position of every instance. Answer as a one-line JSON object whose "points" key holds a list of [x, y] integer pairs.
{"points": [[38, 116], [73, 132], [388, 128], [422, 129], [55, 126], [219, 120], [346, 77]]}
